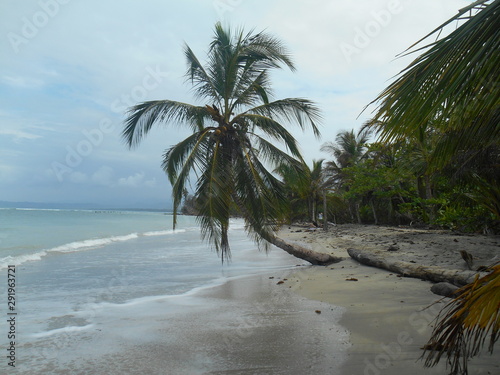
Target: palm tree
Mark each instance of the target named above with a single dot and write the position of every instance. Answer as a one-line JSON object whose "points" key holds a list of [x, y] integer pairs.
{"points": [[305, 185], [348, 149], [235, 137], [454, 85]]}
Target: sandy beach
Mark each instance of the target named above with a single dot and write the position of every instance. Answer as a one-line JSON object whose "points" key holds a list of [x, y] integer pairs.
{"points": [[388, 315], [292, 319]]}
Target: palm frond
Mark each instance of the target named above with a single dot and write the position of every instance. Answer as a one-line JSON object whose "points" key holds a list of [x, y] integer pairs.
{"points": [[454, 83], [178, 162], [271, 128], [250, 90], [260, 195], [272, 155], [214, 192], [142, 117], [204, 84], [466, 322], [296, 110]]}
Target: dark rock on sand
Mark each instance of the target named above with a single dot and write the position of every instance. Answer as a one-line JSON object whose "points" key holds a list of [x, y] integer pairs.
{"points": [[444, 289]]}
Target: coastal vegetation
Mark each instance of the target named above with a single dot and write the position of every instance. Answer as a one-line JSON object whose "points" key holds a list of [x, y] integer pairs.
{"points": [[435, 156]]}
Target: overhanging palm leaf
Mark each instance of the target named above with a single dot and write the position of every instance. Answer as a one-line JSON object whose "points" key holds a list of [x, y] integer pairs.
{"points": [[228, 150], [466, 322], [454, 84]]}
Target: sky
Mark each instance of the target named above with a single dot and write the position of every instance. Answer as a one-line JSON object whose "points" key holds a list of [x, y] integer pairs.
{"points": [[69, 69]]}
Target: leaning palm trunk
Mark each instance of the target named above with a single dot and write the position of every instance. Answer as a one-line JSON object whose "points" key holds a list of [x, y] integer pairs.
{"points": [[466, 322], [311, 256], [269, 236]]}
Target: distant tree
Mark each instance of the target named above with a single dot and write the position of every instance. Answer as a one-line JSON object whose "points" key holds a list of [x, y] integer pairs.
{"points": [[305, 186], [347, 150]]}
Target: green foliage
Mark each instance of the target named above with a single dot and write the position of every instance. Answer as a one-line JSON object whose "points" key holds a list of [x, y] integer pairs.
{"points": [[387, 184]]}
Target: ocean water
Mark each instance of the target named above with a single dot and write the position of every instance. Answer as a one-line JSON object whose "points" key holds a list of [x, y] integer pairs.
{"points": [[78, 271]]}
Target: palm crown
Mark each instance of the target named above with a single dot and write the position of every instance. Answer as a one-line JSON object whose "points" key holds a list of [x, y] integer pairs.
{"points": [[236, 134]]}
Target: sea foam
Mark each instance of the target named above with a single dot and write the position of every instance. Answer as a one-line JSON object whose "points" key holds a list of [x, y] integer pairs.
{"points": [[78, 246]]}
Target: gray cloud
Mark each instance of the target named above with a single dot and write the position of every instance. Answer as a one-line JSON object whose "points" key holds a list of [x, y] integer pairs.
{"points": [[70, 68]]}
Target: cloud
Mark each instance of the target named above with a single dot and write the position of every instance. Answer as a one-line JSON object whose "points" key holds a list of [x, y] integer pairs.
{"points": [[103, 176], [19, 134], [78, 178], [137, 180], [150, 183], [20, 82]]}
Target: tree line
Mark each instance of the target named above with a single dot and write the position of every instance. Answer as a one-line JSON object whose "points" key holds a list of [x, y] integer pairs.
{"points": [[397, 183]]}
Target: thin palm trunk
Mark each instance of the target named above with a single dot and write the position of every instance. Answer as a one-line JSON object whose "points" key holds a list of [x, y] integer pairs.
{"points": [[314, 257], [372, 205], [325, 216]]}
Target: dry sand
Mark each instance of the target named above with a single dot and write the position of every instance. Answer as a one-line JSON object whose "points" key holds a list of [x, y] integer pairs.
{"points": [[387, 314]]}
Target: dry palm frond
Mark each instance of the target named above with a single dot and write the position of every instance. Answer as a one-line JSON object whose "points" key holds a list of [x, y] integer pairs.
{"points": [[466, 323]]}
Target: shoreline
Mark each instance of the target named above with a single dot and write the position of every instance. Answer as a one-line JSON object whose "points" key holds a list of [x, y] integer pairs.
{"points": [[389, 316], [293, 320], [247, 325]]}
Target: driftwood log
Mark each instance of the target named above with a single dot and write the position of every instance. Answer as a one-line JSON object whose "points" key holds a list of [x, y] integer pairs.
{"points": [[311, 256], [430, 273]]}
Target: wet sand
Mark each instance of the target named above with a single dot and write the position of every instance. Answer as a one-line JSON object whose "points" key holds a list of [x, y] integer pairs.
{"points": [[251, 325]]}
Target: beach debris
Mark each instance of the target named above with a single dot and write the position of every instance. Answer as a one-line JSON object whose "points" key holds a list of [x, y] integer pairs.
{"points": [[271, 277], [351, 279], [430, 273], [393, 247], [469, 259], [280, 282], [317, 311], [444, 289]]}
